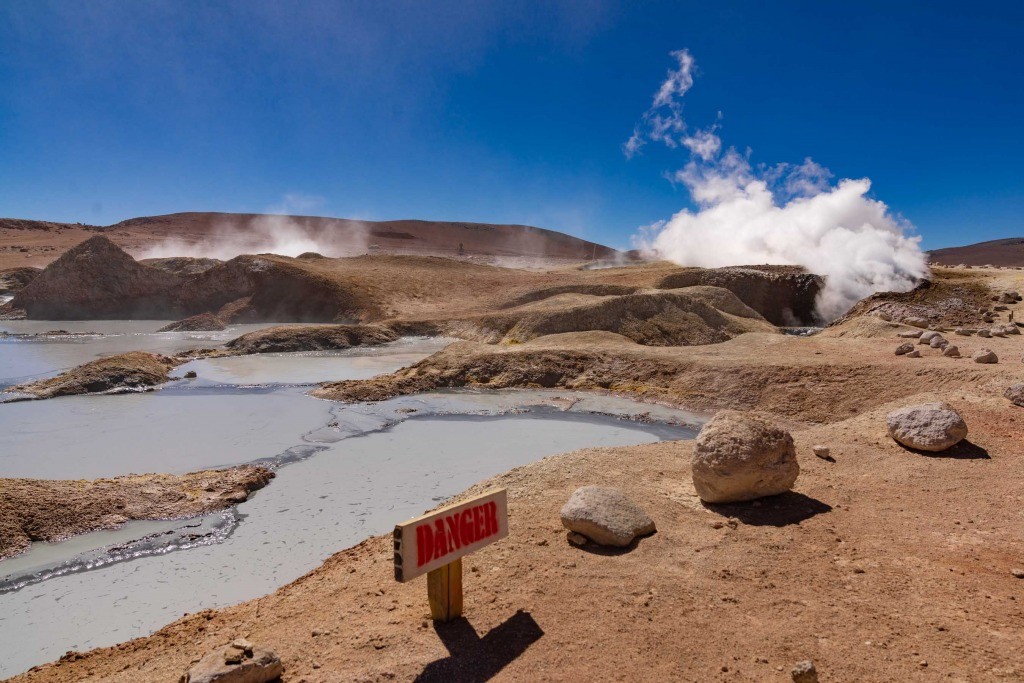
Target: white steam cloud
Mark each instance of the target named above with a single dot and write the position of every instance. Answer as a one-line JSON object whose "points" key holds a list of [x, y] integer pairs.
{"points": [[781, 215], [271, 233]]}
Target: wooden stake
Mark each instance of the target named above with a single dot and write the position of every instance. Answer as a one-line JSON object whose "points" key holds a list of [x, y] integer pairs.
{"points": [[444, 591]]}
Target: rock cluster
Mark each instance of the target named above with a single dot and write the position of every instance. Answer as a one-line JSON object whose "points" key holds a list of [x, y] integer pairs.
{"points": [[929, 427], [739, 457], [605, 516]]}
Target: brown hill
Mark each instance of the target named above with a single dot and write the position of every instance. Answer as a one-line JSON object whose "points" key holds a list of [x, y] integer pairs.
{"points": [[37, 243], [1005, 252]]}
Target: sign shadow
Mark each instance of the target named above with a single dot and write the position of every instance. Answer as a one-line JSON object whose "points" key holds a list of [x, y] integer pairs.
{"points": [[473, 659]]}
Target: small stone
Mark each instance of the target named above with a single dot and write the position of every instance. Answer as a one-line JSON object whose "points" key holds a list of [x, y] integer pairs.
{"points": [[804, 672], [916, 322], [938, 343], [929, 427], [904, 348], [822, 452], [576, 539], [923, 663], [232, 665], [984, 333], [914, 354], [233, 655], [926, 337], [909, 334], [951, 351], [986, 356], [191, 374], [1018, 573], [606, 516]]}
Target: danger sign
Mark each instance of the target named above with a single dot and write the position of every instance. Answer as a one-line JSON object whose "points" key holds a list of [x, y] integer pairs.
{"points": [[440, 537]]}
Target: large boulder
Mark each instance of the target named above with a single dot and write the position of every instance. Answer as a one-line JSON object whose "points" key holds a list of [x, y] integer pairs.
{"points": [[1015, 394], [605, 516], [239, 662], [986, 356], [929, 427], [739, 457]]}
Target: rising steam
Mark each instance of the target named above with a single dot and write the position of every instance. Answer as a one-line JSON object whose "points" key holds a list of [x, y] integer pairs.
{"points": [[782, 215]]}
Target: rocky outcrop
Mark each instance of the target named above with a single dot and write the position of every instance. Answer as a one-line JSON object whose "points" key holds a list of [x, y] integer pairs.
{"points": [[204, 322], [929, 427], [127, 371], [53, 510], [784, 295], [739, 457], [605, 516], [239, 662], [95, 280], [310, 338], [930, 302]]}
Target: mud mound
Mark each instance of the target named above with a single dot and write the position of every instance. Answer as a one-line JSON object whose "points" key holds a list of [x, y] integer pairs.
{"points": [[182, 265], [133, 370], [47, 510], [204, 322], [272, 288], [310, 338], [951, 302], [655, 318], [548, 292], [15, 279], [97, 280], [784, 295]]}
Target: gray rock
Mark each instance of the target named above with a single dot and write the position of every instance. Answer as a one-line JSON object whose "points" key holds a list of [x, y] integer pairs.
{"points": [[821, 451], [938, 342], [804, 672], [997, 332], [605, 516], [739, 457], [963, 331], [951, 351], [986, 356], [916, 322], [904, 348], [926, 337], [930, 427], [914, 354], [240, 662], [1011, 329], [984, 333], [1015, 394], [909, 334]]}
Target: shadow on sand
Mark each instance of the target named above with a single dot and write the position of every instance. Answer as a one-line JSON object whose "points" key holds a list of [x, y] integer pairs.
{"points": [[965, 450], [474, 659], [781, 510]]}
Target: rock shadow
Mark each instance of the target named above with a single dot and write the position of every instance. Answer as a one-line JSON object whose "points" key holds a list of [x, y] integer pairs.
{"points": [[611, 550], [473, 659], [781, 510], [965, 450]]}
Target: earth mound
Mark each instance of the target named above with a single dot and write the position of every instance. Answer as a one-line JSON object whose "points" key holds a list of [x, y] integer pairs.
{"points": [[15, 279], [651, 317], [53, 510], [127, 371], [97, 280], [953, 300], [784, 295], [182, 265], [310, 338], [204, 322]]}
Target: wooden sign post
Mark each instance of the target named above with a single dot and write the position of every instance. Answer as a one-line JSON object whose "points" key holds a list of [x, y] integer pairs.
{"points": [[435, 543]]}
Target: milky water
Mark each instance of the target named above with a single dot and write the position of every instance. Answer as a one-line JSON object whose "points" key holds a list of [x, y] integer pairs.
{"points": [[25, 356]]}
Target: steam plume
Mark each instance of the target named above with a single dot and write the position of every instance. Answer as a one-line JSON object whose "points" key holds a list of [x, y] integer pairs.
{"points": [[782, 215]]}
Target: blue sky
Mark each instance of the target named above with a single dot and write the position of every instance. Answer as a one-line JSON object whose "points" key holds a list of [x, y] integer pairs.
{"points": [[500, 112]]}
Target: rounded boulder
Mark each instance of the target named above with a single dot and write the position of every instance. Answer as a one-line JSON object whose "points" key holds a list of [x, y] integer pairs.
{"points": [[739, 457], [931, 427], [1015, 394], [605, 516]]}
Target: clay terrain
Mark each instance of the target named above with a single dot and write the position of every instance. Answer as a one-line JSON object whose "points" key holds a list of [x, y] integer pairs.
{"points": [[882, 563]]}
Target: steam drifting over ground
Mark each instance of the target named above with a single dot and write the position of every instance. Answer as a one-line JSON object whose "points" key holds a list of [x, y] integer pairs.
{"points": [[783, 214]]}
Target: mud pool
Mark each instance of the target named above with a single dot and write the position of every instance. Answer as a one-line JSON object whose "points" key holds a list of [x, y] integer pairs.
{"points": [[344, 472]]}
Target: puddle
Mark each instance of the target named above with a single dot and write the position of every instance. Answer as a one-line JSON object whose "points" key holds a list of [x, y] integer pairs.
{"points": [[358, 484]]}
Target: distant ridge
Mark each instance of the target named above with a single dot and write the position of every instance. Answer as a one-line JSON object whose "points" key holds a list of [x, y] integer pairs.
{"points": [[1004, 252]]}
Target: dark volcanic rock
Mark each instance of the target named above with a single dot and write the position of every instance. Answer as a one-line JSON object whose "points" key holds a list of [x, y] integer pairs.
{"points": [[784, 295], [204, 322], [95, 280]]}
